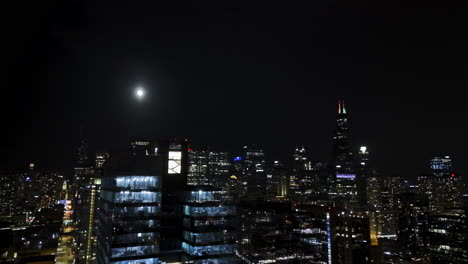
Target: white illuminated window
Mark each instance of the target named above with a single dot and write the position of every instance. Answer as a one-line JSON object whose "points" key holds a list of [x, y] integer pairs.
{"points": [[174, 162]]}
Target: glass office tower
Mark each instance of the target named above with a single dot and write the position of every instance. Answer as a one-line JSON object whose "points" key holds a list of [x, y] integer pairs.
{"points": [[128, 229], [209, 217]]}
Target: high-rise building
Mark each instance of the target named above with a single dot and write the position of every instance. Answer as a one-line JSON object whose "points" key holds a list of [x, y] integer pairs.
{"points": [[219, 168], [334, 235], [141, 214], [265, 232], [198, 168], [89, 208], [448, 236], [303, 182], [390, 190], [313, 228], [443, 186], [345, 177], [412, 225], [451, 181], [250, 169], [325, 182], [130, 211], [209, 221], [364, 172], [174, 156], [81, 198], [350, 236], [208, 167], [277, 180], [373, 197], [441, 166]]}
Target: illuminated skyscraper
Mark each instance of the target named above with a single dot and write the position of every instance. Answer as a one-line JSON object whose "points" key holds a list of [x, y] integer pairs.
{"points": [[413, 224], [364, 173], [277, 180], [448, 236], [89, 207], [209, 220], [345, 177], [198, 168], [141, 216], [130, 211], [174, 156], [82, 151], [303, 179], [443, 186], [441, 166], [219, 167], [81, 198], [250, 169], [313, 228], [451, 181]]}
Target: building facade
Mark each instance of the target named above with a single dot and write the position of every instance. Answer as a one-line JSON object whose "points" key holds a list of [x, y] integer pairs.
{"points": [[344, 175], [209, 221]]}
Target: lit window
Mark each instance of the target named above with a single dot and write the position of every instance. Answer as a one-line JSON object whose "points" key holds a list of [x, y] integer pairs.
{"points": [[174, 162]]}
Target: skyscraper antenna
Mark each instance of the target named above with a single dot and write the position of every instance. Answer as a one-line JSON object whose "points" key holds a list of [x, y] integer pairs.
{"points": [[339, 106]]}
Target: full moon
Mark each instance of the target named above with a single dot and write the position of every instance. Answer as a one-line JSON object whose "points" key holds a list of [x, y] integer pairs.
{"points": [[140, 93]]}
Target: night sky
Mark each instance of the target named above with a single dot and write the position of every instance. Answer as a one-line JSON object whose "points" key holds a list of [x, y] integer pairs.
{"points": [[225, 74]]}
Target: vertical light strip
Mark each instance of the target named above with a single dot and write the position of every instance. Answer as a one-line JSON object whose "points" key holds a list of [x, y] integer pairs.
{"points": [[329, 239], [90, 224]]}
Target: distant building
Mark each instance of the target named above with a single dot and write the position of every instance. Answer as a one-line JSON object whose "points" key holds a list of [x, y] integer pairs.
{"points": [[412, 236], [364, 173], [303, 180], [443, 186], [345, 176], [250, 169], [277, 182], [198, 168], [219, 168]]}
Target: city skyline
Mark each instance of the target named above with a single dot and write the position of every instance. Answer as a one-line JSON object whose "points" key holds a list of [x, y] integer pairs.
{"points": [[223, 132], [224, 75], [286, 156]]}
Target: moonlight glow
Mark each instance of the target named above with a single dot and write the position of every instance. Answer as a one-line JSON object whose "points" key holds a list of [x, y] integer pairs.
{"points": [[140, 93]]}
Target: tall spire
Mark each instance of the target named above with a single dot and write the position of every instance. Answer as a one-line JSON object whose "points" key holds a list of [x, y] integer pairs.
{"points": [[343, 108], [339, 106]]}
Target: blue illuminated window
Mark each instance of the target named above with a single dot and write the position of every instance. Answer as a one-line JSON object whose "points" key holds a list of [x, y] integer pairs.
{"points": [[134, 251], [208, 250], [137, 182]]}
